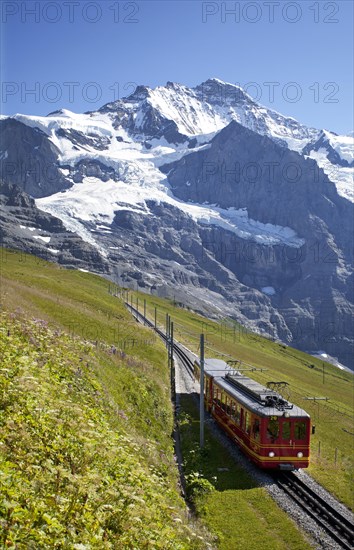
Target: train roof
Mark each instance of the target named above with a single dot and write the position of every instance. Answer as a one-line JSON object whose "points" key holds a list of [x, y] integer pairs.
{"points": [[254, 396]]}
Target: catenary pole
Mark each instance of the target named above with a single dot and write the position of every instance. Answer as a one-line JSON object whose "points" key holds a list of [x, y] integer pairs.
{"points": [[201, 404], [171, 359]]}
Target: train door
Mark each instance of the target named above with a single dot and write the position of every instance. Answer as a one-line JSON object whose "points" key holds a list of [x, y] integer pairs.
{"points": [[286, 436], [255, 434], [248, 423], [256, 429], [302, 428]]}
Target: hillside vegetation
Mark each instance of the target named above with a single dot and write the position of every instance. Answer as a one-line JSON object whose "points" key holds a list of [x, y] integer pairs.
{"points": [[86, 455]]}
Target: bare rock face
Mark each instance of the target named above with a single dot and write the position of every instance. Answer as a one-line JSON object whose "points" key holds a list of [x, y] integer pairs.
{"points": [[312, 283], [29, 159], [152, 124], [243, 169], [167, 255], [24, 227]]}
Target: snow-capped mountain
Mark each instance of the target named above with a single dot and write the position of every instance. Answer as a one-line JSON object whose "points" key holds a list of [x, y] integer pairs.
{"points": [[339, 149], [174, 186], [335, 155], [201, 111]]}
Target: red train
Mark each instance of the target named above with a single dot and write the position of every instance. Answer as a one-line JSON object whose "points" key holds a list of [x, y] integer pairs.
{"points": [[272, 432]]}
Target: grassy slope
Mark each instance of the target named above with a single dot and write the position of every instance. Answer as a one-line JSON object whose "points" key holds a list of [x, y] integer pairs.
{"points": [[86, 454], [307, 377], [80, 303]]}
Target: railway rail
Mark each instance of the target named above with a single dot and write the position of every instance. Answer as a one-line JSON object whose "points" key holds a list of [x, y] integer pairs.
{"points": [[177, 348], [338, 527]]}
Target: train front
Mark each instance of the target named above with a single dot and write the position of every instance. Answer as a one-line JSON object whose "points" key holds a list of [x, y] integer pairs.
{"points": [[284, 439]]}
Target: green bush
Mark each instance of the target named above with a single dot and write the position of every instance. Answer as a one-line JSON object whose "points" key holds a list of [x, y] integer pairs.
{"points": [[197, 486]]}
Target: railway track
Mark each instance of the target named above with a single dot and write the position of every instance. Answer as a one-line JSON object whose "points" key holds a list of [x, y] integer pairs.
{"points": [[339, 528], [178, 349]]}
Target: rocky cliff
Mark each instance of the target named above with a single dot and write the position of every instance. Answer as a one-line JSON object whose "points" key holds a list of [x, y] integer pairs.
{"points": [[197, 193]]}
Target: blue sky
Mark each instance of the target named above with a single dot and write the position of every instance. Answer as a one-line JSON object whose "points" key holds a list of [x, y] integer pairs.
{"points": [[295, 57]]}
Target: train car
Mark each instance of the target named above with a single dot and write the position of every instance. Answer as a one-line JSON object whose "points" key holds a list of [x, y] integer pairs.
{"points": [[272, 432]]}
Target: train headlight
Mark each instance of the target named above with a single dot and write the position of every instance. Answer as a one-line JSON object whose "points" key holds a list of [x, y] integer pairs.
{"points": [[271, 454], [300, 454]]}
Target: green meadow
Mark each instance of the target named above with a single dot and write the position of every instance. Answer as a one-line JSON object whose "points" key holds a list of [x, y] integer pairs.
{"points": [[87, 456]]}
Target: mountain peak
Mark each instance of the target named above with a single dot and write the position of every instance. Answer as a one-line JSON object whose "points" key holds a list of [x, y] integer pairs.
{"points": [[215, 80], [174, 85], [221, 83], [215, 89], [202, 110], [140, 92]]}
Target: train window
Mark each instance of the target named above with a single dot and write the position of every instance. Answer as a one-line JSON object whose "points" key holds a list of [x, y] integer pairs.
{"points": [[228, 406], [300, 430], [216, 396], [256, 429], [236, 412], [248, 423], [273, 429], [286, 430], [223, 401]]}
